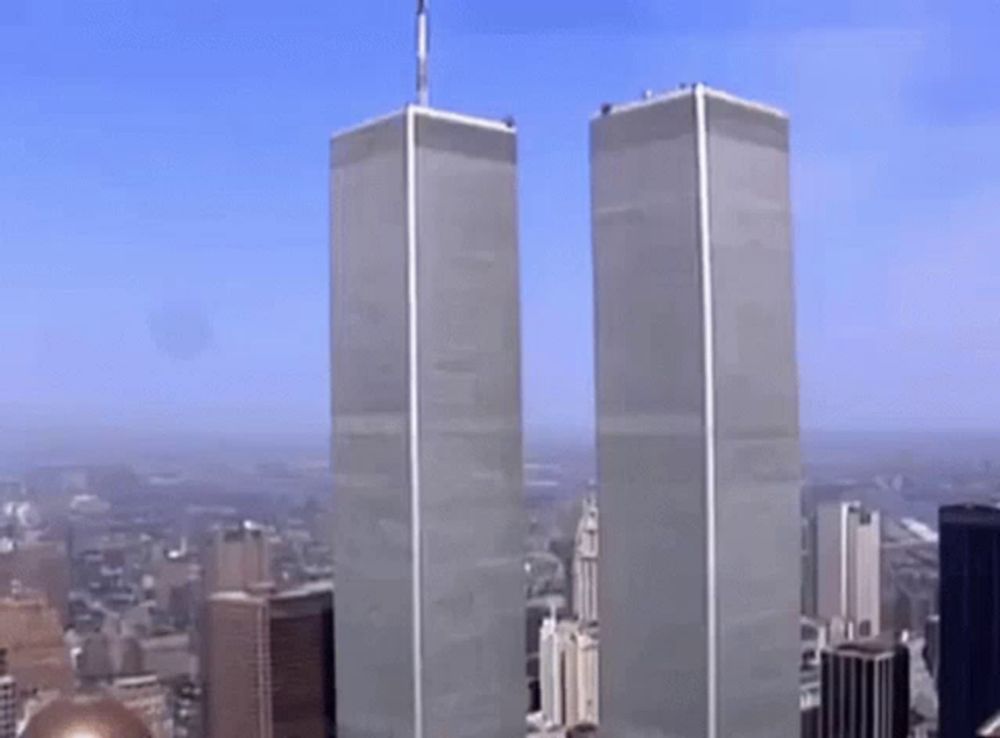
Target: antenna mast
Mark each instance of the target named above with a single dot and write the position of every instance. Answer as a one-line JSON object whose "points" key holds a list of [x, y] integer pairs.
{"points": [[423, 47]]}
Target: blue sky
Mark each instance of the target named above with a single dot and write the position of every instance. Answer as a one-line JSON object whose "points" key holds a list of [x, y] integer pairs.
{"points": [[163, 193]]}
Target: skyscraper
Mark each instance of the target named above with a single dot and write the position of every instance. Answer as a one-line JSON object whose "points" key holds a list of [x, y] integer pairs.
{"points": [[969, 665], [8, 700], [585, 564], [236, 558], [427, 428], [568, 673], [269, 664], [37, 657], [866, 690], [697, 417], [39, 566], [848, 568]]}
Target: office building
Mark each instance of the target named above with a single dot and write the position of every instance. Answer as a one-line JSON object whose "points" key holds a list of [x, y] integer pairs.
{"points": [[810, 693], [866, 690], [146, 697], [585, 564], [236, 558], [848, 567], [697, 418], [170, 656], [8, 699], [568, 666], [31, 634], [175, 582], [969, 660], [809, 574], [37, 566], [429, 535], [269, 664]]}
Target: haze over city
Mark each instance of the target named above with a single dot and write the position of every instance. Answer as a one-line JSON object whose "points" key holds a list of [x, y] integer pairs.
{"points": [[164, 250]]}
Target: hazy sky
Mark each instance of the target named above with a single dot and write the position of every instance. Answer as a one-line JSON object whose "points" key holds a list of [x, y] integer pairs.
{"points": [[163, 193]]}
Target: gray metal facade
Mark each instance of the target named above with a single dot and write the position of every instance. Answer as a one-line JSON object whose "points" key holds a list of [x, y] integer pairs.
{"points": [[427, 429], [697, 417]]}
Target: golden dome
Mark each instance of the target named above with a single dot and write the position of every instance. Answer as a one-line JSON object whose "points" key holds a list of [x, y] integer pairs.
{"points": [[95, 716]]}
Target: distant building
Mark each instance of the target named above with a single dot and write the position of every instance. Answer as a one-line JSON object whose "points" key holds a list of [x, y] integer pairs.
{"points": [[147, 698], [37, 657], [568, 664], [235, 559], [910, 574], [170, 657], [175, 579], [37, 566], [585, 564], [808, 588], [848, 566], [866, 690], [809, 705], [538, 609], [8, 700], [269, 670], [969, 667]]}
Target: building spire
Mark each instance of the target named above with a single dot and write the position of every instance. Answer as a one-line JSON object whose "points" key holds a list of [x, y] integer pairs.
{"points": [[423, 47]]}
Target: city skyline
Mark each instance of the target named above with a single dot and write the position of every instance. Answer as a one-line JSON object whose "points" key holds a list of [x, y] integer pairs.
{"points": [[478, 333], [203, 282]]}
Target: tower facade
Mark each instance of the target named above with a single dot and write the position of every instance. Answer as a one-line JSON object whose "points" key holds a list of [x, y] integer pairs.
{"points": [[848, 568], [236, 558], [568, 672], [269, 664], [969, 669], [429, 529], [866, 690], [697, 418]]}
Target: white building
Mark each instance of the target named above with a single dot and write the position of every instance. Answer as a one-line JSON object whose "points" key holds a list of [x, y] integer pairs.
{"points": [[568, 663], [848, 569], [585, 564]]}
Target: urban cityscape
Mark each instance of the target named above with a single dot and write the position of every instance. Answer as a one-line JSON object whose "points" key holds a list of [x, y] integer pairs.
{"points": [[704, 566]]}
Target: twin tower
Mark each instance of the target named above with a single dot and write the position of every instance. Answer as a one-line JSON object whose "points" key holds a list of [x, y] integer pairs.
{"points": [[697, 418]]}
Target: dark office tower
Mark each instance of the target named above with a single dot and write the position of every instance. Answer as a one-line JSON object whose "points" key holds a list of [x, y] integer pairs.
{"points": [[866, 691], [697, 419], [269, 665], [969, 661], [428, 538]]}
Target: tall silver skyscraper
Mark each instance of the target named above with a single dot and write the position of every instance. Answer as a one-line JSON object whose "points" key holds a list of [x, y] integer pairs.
{"points": [[697, 414], [427, 429]]}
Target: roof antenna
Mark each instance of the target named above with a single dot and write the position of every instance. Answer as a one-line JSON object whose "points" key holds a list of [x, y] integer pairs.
{"points": [[423, 47]]}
